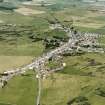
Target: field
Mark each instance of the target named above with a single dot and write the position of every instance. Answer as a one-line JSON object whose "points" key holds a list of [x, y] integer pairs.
{"points": [[20, 43], [26, 11], [9, 62], [61, 87]]}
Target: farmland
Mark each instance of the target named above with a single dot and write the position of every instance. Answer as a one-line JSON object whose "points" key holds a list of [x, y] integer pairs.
{"points": [[22, 38]]}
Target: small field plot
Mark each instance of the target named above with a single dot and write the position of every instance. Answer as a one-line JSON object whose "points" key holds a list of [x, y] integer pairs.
{"points": [[28, 11], [14, 18], [9, 62], [34, 49]]}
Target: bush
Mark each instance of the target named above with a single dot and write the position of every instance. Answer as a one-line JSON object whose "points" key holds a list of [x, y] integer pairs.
{"points": [[7, 6], [81, 100], [100, 92]]}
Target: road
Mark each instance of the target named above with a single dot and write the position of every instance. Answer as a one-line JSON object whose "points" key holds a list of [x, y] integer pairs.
{"points": [[73, 44]]}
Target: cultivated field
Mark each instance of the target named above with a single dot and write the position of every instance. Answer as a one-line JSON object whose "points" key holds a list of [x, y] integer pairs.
{"points": [[10, 62], [28, 11]]}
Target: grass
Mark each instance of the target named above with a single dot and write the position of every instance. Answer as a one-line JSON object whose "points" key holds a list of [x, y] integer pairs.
{"points": [[33, 49], [15, 18], [65, 88], [9, 62], [4, 104], [20, 92], [99, 18], [58, 88]]}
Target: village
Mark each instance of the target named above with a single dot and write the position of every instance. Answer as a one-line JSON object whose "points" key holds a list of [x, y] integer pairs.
{"points": [[76, 43], [64, 49]]}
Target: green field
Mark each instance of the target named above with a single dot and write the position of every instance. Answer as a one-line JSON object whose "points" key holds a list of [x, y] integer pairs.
{"points": [[9, 62]]}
